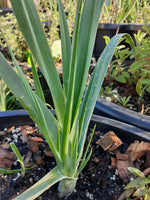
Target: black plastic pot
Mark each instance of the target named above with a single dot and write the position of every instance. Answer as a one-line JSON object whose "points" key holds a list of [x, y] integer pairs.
{"points": [[4, 11], [110, 30], [16, 117], [125, 131], [119, 113]]}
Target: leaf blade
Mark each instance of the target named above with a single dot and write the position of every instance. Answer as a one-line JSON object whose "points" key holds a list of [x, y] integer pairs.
{"points": [[45, 183], [33, 32], [92, 92], [33, 105], [65, 44], [87, 33]]}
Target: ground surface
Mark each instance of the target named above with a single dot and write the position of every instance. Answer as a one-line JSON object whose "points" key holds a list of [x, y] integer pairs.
{"points": [[97, 181], [114, 91]]}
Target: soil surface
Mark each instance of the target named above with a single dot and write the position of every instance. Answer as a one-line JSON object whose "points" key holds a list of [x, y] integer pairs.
{"points": [[117, 91], [97, 181]]}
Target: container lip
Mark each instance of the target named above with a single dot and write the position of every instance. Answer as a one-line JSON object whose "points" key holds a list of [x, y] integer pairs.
{"points": [[123, 130], [13, 113], [114, 111], [16, 117], [6, 9], [20, 112], [125, 26], [126, 131]]}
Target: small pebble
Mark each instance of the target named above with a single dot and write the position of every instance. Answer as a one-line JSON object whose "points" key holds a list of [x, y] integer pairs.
{"points": [[75, 190], [18, 175], [31, 180], [15, 136], [14, 131], [116, 172]]}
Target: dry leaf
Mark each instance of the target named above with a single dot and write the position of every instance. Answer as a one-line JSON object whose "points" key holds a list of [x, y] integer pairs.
{"points": [[28, 157], [33, 145], [2, 133], [137, 150], [5, 145], [113, 162], [10, 129], [123, 162], [36, 139], [6, 158], [49, 154], [24, 137], [39, 160], [26, 129], [96, 160], [109, 141], [147, 159], [146, 172]]}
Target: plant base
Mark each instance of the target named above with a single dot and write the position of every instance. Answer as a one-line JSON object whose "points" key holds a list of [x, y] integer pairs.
{"points": [[66, 187]]}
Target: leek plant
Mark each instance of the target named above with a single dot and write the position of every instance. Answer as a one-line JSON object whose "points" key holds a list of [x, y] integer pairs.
{"points": [[66, 133], [19, 159]]}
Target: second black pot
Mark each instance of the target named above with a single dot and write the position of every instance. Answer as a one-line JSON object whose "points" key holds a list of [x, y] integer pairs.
{"points": [[110, 30], [119, 113]]}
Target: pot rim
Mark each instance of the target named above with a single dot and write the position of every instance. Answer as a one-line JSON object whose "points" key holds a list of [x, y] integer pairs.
{"points": [[123, 130], [114, 111], [125, 26]]}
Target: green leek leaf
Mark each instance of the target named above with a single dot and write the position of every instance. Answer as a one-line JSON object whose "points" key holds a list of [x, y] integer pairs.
{"points": [[42, 185], [31, 27]]}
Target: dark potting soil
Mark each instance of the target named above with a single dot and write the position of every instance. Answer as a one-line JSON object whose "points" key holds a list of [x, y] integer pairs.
{"points": [[136, 103], [96, 182]]}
